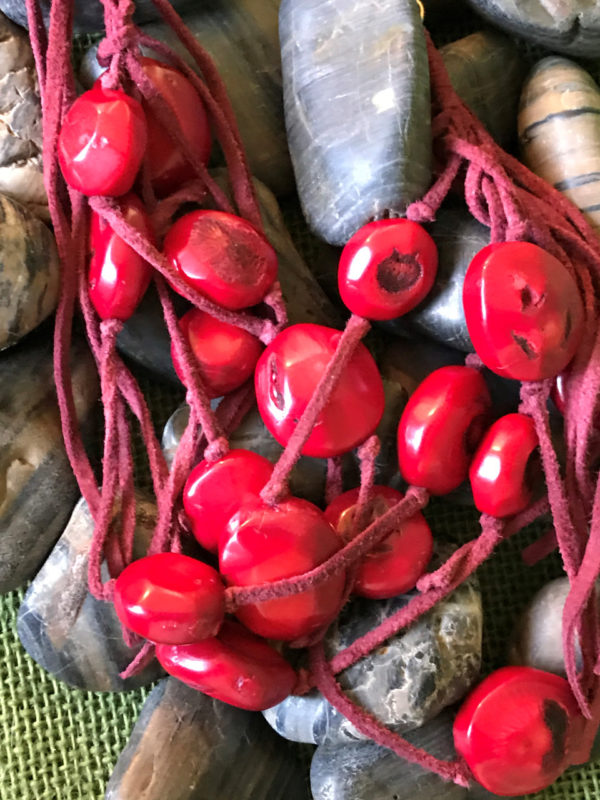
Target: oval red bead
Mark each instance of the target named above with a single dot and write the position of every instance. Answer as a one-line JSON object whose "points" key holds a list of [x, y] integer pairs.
{"points": [[170, 598], [235, 667], [118, 276], [102, 142], [223, 257], [216, 490], [514, 729], [440, 428], [396, 564], [523, 311], [287, 374], [263, 543], [387, 268], [499, 474]]}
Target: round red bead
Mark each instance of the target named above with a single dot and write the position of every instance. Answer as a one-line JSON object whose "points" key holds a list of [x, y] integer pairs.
{"points": [[118, 276], [234, 667], [387, 268], [500, 474], [102, 142], [396, 564], [216, 490], [263, 543], [170, 598], [523, 311], [223, 257], [514, 729], [441, 427], [287, 374]]}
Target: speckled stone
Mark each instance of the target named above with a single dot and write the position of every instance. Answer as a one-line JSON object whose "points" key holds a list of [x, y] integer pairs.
{"points": [[357, 108], [186, 746], [69, 633]]}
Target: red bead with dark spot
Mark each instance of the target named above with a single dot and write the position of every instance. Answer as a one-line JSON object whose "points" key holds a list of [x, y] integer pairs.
{"points": [[263, 543], [216, 490], [287, 374], [226, 355], [223, 257], [515, 730], [502, 470], [396, 564], [387, 268], [102, 142], [118, 276], [170, 598], [523, 311], [440, 428]]}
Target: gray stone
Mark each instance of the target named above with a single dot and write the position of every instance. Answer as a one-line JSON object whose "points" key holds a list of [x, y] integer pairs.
{"points": [[186, 746], [38, 489], [69, 633], [357, 107]]}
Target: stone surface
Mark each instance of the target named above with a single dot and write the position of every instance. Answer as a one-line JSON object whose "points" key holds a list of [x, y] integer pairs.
{"points": [[38, 487], [68, 632], [186, 746], [29, 271], [356, 95], [569, 26], [404, 683]]}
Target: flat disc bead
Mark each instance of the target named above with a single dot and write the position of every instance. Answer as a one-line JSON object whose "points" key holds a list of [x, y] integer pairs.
{"points": [[523, 311], [387, 268]]}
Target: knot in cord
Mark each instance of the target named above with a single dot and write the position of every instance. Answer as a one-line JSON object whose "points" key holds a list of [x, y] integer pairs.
{"points": [[420, 211], [217, 449]]}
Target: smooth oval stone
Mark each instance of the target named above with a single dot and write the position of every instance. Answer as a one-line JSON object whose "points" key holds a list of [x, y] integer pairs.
{"points": [[69, 633], [559, 131], [38, 486], [29, 272], [187, 746], [357, 109], [569, 26]]}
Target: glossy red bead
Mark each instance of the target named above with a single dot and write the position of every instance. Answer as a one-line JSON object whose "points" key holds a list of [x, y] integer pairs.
{"points": [[235, 667], [287, 374], [118, 276], [440, 428], [559, 391], [223, 257], [216, 490], [396, 564], [387, 268], [523, 311], [514, 730], [263, 543], [168, 166], [170, 598], [102, 142], [501, 471]]}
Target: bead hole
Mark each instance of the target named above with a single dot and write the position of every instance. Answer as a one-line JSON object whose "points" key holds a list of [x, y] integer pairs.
{"points": [[398, 272]]}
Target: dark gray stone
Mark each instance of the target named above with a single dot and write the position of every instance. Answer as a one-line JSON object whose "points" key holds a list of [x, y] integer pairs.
{"points": [[69, 633], [38, 487], [186, 746], [357, 107]]}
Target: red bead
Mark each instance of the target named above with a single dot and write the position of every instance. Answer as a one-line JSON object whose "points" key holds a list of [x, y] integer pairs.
{"points": [[387, 268], [264, 543], [514, 730], [235, 667], [102, 142], [223, 257], [118, 276], [170, 598], [501, 471], [559, 391], [167, 164], [226, 355], [216, 490], [523, 310], [440, 428], [396, 564], [287, 374]]}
